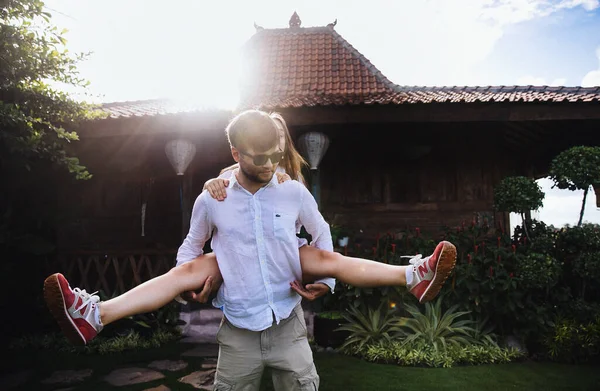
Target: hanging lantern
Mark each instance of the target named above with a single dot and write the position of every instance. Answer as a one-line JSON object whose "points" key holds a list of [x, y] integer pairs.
{"points": [[313, 146], [180, 153]]}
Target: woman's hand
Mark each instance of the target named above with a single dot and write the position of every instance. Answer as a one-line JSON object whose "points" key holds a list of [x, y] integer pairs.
{"points": [[216, 188], [282, 177]]}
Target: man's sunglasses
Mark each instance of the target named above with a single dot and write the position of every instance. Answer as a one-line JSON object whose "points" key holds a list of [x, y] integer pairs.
{"points": [[261, 160]]}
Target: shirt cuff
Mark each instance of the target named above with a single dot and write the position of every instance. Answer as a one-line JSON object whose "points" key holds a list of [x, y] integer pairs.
{"points": [[330, 282]]}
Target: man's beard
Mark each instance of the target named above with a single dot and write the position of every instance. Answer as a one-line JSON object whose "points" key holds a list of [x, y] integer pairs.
{"points": [[254, 177]]}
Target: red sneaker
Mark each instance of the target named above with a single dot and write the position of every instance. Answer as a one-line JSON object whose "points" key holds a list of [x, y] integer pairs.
{"points": [[73, 309], [430, 273]]}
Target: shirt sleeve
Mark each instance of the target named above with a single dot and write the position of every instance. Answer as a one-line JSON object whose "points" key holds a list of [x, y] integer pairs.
{"points": [[200, 231], [317, 227]]}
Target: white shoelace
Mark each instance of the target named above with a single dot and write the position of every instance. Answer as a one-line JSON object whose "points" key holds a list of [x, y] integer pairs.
{"points": [[415, 259], [86, 298]]}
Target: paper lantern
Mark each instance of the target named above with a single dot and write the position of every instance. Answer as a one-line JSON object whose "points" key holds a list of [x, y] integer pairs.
{"points": [[180, 153], [313, 146]]}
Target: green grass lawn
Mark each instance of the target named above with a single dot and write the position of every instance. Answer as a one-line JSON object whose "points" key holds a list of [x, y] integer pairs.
{"points": [[337, 373]]}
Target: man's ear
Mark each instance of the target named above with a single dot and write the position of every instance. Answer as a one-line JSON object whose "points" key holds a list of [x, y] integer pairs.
{"points": [[236, 154]]}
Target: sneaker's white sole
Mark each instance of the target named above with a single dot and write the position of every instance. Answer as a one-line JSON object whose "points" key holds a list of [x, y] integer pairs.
{"points": [[56, 304], [443, 269]]}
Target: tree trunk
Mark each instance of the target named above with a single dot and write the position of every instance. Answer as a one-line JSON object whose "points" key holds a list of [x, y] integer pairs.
{"points": [[585, 193], [525, 228]]}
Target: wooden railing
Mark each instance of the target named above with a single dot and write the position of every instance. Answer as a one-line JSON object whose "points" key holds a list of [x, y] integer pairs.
{"points": [[112, 272]]}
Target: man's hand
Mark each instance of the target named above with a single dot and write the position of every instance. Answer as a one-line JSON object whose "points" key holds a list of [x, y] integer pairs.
{"points": [[311, 291], [201, 297]]}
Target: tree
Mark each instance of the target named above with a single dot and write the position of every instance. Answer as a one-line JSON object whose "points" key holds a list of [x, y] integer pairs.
{"points": [[34, 113], [577, 168], [518, 195]]}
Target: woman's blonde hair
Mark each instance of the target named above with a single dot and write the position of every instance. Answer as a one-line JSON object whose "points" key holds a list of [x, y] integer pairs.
{"points": [[292, 161]]}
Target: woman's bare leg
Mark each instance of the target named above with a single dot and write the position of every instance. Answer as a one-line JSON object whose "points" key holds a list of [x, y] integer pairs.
{"points": [[159, 291], [354, 271]]}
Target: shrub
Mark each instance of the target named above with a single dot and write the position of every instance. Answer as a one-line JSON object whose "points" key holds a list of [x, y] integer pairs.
{"points": [[539, 271], [435, 328], [574, 342], [401, 354], [100, 345], [374, 327]]}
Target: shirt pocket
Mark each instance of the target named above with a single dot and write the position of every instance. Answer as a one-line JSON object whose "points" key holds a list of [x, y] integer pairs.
{"points": [[284, 226]]}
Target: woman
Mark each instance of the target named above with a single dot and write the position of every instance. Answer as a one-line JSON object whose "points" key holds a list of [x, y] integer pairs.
{"points": [[81, 316]]}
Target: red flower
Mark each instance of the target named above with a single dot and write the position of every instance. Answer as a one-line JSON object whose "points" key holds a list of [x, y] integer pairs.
{"points": [[491, 271], [393, 248], [476, 248], [473, 223], [514, 248], [469, 258], [418, 231], [498, 241], [511, 275]]}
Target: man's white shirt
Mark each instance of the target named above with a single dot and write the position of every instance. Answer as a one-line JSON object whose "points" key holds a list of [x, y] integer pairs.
{"points": [[254, 239]]}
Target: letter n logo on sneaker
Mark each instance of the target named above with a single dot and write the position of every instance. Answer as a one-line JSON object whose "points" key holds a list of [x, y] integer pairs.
{"points": [[424, 271]]}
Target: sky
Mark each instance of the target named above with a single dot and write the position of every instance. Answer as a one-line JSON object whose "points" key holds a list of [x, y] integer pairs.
{"points": [[189, 49]]}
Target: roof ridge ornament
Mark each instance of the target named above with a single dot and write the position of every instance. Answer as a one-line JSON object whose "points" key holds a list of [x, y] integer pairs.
{"points": [[257, 27], [332, 25], [295, 21]]}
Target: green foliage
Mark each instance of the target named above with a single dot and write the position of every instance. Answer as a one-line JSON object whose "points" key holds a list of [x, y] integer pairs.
{"points": [[373, 327], [330, 315], [518, 195], [401, 354], [539, 271], [34, 114], [571, 242], [436, 328], [577, 168], [100, 345], [587, 266], [574, 342]]}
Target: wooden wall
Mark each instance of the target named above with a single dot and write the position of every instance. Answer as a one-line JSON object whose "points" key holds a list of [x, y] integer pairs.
{"points": [[375, 182], [371, 179]]}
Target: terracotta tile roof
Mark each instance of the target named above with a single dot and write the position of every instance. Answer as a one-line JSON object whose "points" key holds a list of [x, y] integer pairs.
{"points": [[410, 95], [296, 67], [152, 107], [301, 66], [491, 94]]}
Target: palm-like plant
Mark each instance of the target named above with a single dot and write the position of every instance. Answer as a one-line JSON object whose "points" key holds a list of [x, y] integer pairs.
{"points": [[374, 327], [435, 328]]}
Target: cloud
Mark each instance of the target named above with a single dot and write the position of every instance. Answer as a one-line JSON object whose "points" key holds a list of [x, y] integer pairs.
{"points": [[192, 49], [540, 81], [592, 78]]}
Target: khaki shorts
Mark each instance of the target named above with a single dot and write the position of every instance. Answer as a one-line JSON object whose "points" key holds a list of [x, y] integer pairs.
{"points": [[283, 347]]}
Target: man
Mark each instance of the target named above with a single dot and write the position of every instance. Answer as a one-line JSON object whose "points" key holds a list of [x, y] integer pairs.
{"points": [[254, 240]]}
